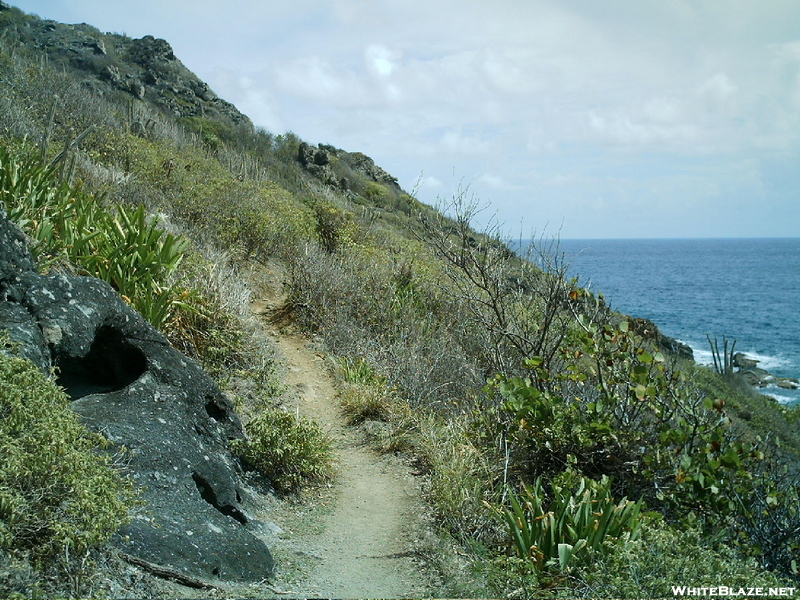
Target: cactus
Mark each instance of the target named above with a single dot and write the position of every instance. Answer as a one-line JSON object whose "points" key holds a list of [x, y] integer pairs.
{"points": [[723, 362]]}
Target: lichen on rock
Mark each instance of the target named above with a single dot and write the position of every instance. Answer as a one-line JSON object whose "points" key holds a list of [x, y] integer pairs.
{"points": [[127, 382]]}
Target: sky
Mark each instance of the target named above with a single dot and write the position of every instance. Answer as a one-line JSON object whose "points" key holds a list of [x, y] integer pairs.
{"points": [[577, 118]]}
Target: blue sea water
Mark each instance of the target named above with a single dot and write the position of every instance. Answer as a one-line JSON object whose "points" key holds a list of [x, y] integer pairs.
{"points": [[743, 289]]}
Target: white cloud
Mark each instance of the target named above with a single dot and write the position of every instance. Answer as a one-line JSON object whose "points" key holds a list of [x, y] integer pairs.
{"points": [[719, 88], [315, 78], [380, 60], [785, 69], [457, 142], [429, 182], [495, 182], [250, 97], [662, 110], [637, 130]]}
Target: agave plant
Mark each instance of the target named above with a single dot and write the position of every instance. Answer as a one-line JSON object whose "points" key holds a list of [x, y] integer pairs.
{"points": [[126, 249], [574, 524], [137, 259], [58, 219]]}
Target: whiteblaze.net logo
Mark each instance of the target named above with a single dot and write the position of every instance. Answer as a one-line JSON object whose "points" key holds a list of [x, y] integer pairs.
{"points": [[731, 592]]}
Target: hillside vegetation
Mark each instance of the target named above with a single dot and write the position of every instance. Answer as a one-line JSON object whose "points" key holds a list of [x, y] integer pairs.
{"points": [[567, 452]]}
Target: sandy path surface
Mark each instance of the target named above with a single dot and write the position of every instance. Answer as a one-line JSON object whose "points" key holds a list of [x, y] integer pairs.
{"points": [[359, 540]]}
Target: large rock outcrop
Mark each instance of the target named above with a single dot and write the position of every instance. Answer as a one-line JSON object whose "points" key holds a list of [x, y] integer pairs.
{"points": [[145, 67], [127, 382], [319, 160]]}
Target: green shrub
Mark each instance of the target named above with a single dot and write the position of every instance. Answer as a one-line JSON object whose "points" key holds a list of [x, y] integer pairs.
{"points": [[377, 194], [56, 219], [56, 490], [215, 204], [213, 133], [137, 258], [334, 225], [617, 407], [289, 450], [664, 557]]}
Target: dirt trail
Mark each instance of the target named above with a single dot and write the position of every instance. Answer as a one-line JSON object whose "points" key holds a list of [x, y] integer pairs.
{"points": [[360, 540]]}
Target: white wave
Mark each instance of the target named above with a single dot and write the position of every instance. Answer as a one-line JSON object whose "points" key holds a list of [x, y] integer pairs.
{"points": [[704, 356], [765, 361], [783, 398], [702, 353]]}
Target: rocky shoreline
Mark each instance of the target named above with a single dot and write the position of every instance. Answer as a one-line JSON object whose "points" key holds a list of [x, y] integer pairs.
{"points": [[755, 376]]}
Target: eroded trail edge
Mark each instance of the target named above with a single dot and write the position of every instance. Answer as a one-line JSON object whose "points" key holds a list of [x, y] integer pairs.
{"points": [[360, 539]]}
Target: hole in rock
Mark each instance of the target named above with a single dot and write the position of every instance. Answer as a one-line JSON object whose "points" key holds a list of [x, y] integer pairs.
{"points": [[207, 494], [110, 365], [215, 411]]}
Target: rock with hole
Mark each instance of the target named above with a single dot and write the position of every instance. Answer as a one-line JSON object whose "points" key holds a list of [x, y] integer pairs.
{"points": [[127, 382]]}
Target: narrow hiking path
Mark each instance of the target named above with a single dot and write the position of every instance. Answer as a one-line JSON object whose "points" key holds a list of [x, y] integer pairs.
{"points": [[361, 537]]}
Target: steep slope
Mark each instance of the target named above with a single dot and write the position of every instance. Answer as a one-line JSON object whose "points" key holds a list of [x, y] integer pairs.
{"points": [[420, 311]]}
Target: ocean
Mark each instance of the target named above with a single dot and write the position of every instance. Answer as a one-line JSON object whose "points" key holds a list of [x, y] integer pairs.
{"points": [[747, 290]]}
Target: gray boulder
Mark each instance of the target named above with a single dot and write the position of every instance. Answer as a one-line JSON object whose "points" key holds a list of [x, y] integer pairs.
{"points": [[758, 377], [151, 52], [742, 361], [363, 164], [317, 162], [127, 382]]}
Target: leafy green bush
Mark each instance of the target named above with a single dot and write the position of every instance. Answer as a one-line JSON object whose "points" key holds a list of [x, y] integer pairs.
{"points": [[334, 226], [616, 407], [215, 204], [213, 133], [548, 432], [663, 557], [289, 450], [377, 194], [56, 490]]}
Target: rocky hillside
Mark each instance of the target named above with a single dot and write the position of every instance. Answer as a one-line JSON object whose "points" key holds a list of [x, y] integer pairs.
{"points": [[104, 63], [151, 211]]}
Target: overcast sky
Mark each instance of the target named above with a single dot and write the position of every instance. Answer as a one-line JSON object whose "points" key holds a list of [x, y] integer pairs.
{"points": [[598, 119]]}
